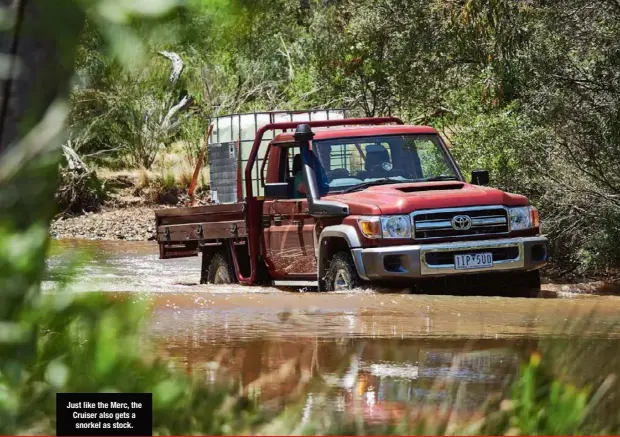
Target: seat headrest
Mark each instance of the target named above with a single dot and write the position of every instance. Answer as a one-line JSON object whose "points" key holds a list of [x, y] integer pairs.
{"points": [[375, 156]]}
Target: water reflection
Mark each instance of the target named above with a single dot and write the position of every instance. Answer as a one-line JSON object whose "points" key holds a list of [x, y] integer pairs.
{"points": [[375, 354], [382, 374]]}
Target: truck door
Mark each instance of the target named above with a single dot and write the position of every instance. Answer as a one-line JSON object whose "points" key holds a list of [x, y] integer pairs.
{"points": [[288, 236]]}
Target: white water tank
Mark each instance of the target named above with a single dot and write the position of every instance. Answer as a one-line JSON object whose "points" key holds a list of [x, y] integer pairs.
{"points": [[230, 130]]}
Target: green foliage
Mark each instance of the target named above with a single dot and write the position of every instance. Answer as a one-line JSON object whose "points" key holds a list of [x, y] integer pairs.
{"points": [[80, 192], [91, 343], [536, 402], [529, 91], [58, 342], [526, 90], [167, 180], [62, 342], [544, 406], [500, 139]]}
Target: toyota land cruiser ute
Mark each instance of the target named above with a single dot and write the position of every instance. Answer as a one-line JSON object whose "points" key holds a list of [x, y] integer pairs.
{"points": [[349, 202]]}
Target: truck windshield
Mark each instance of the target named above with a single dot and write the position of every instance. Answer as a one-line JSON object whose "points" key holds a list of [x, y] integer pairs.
{"points": [[347, 162]]}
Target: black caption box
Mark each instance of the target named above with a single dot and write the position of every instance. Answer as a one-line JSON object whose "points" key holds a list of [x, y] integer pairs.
{"points": [[104, 414]]}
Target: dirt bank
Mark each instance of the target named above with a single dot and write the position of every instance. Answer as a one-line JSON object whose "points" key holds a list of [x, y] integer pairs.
{"points": [[131, 223], [128, 212]]}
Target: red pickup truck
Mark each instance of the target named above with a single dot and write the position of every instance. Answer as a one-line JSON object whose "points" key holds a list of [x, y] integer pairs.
{"points": [[354, 201]]}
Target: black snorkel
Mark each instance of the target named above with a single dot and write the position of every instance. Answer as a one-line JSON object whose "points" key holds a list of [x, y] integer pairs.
{"points": [[316, 206]]}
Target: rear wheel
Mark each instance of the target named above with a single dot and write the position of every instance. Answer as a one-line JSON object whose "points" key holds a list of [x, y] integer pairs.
{"points": [[341, 274], [220, 271]]}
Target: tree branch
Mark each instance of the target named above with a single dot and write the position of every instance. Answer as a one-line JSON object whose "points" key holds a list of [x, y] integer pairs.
{"points": [[177, 66]]}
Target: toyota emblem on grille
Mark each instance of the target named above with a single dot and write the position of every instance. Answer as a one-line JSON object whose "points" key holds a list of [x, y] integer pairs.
{"points": [[461, 222]]}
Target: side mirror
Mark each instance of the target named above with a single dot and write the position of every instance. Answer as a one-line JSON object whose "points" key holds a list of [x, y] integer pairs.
{"points": [[480, 177]]}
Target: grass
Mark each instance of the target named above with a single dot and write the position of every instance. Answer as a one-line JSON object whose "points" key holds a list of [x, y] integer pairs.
{"points": [[184, 177], [167, 180], [144, 178], [171, 173]]}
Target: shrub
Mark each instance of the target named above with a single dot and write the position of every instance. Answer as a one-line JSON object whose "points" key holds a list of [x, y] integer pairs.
{"points": [[80, 190], [144, 179]]}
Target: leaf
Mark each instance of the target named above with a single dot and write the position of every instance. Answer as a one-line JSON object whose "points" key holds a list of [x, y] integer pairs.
{"points": [[107, 344], [120, 11], [166, 392], [57, 374]]}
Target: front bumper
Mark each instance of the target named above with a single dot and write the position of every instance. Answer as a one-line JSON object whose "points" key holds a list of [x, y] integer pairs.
{"points": [[433, 260]]}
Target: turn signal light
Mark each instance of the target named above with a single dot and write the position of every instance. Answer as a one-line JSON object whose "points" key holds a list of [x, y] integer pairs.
{"points": [[534, 219], [370, 226]]}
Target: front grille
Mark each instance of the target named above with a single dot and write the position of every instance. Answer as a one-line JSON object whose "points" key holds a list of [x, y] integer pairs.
{"points": [[437, 223], [447, 258]]}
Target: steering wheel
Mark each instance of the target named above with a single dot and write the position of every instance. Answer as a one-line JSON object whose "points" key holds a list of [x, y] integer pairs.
{"points": [[385, 169]]}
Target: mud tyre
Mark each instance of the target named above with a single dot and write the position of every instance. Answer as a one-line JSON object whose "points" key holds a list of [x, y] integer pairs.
{"points": [[220, 271], [341, 273]]}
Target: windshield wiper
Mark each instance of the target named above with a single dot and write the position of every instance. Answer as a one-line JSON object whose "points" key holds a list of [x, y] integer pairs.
{"points": [[439, 178], [369, 184]]}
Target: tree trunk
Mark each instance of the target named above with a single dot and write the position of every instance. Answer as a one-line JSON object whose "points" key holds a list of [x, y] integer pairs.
{"points": [[40, 47]]}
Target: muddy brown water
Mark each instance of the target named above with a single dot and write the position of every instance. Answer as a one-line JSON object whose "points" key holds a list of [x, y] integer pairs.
{"points": [[380, 352]]}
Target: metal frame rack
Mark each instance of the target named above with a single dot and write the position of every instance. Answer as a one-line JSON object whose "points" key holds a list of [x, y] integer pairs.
{"points": [[242, 128]]}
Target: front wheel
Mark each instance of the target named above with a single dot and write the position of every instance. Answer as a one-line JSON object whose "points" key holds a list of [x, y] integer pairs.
{"points": [[342, 274]]}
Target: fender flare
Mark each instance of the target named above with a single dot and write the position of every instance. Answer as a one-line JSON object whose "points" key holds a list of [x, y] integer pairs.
{"points": [[345, 232]]}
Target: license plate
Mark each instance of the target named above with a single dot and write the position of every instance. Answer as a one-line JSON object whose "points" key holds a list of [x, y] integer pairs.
{"points": [[473, 261]]}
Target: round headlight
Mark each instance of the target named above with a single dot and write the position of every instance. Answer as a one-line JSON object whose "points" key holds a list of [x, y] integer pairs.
{"points": [[397, 226]]}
